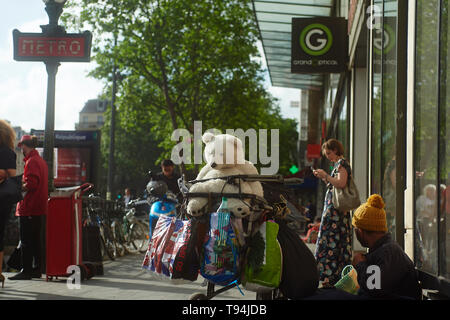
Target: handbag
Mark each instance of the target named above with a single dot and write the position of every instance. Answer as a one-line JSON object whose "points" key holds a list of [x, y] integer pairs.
{"points": [[347, 198], [11, 190]]}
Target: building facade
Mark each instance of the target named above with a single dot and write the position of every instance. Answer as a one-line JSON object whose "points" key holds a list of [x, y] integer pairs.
{"points": [[390, 108], [92, 115]]}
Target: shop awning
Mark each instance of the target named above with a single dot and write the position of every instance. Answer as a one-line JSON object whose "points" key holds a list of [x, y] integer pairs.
{"points": [[274, 22]]}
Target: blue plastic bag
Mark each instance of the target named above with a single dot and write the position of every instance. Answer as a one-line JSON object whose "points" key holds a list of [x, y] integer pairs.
{"points": [[221, 254]]}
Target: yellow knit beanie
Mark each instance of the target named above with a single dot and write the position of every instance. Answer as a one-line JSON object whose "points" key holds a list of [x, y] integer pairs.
{"points": [[371, 216]]}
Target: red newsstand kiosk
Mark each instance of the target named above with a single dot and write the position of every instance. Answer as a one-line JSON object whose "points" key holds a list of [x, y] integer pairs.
{"points": [[64, 230]]}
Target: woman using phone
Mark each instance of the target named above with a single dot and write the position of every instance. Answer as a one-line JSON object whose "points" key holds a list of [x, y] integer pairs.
{"points": [[334, 241]]}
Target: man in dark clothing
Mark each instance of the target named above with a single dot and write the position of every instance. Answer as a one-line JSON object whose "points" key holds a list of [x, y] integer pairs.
{"points": [[169, 176], [310, 211], [397, 275], [385, 272]]}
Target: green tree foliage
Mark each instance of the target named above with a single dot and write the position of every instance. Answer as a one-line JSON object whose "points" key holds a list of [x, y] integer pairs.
{"points": [[182, 61]]}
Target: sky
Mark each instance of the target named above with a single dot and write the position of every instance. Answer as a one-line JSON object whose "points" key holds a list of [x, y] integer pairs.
{"points": [[23, 85]]}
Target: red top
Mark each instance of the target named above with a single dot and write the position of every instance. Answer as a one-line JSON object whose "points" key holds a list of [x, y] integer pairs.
{"points": [[35, 175]]}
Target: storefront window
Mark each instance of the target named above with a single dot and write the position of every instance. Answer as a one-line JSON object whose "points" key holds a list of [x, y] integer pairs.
{"points": [[426, 136], [377, 45], [343, 126], [444, 145], [389, 110]]}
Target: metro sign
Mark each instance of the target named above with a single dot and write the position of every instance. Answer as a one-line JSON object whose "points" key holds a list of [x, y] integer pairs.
{"points": [[69, 47]]}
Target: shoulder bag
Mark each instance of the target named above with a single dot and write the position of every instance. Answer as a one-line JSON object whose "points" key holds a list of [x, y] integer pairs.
{"points": [[347, 198]]}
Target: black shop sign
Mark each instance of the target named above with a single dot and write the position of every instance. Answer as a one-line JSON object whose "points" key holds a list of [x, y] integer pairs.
{"points": [[319, 45]]}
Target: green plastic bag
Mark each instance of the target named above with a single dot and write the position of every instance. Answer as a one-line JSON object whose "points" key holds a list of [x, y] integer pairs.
{"points": [[349, 280], [267, 275]]}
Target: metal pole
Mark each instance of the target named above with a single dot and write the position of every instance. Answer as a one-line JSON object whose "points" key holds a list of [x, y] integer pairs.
{"points": [[110, 185], [401, 121], [49, 135]]}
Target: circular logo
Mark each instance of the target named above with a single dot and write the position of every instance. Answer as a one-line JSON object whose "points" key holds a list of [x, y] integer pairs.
{"points": [[386, 43], [316, 39]]}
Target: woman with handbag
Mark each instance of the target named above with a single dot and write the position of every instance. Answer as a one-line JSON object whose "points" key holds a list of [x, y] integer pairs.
{"points": [[7, 169], [334, 241]]}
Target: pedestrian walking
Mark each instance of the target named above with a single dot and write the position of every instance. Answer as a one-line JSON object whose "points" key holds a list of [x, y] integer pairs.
{"points": [[127, 197], [31, 209], [334, 241], [7, 169]]}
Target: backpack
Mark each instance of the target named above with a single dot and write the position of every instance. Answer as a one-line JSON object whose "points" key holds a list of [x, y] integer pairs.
{"points": [[220, 249], [264, 265]]}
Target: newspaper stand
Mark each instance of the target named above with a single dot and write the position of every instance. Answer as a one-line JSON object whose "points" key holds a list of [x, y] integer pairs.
{"points": [[64, 230]]}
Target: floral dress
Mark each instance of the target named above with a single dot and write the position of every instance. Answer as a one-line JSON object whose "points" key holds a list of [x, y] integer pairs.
{"points": [[334, 241]]}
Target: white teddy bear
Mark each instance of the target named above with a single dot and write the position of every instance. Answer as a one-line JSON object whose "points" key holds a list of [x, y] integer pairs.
{"points": [[224, 154]]}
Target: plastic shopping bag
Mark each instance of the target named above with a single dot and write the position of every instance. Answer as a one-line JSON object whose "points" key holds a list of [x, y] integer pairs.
{"points": [[349, 280], [265, 275], [221, 250], [169, 240]]}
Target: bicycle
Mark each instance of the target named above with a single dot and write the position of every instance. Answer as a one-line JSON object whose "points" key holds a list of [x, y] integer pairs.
{"points": [[129, 232], [135, 229], [94, 217], [119, 238]]}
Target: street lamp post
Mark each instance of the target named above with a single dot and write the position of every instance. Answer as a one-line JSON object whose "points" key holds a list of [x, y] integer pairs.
{"points": [[54, 10], [52, 46]]}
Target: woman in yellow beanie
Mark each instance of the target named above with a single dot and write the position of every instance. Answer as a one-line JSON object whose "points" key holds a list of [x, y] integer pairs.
{"points": [[334, 241]]}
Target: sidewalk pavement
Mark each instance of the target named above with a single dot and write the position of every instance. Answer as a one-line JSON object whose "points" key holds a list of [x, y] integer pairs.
{"points": [[123, 279]]}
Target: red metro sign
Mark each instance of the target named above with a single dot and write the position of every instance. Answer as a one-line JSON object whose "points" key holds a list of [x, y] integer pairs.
{"points": [[37, 47]]}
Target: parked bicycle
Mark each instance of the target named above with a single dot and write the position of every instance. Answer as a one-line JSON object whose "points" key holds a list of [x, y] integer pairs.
{"points": [[97, 217], [130, 232], [135, 228]]}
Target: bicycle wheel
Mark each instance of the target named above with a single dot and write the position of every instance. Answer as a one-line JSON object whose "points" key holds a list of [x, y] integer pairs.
{"points": [[138, 237], [106, 250], [110, 244], [119, 239]]}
